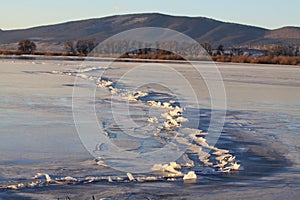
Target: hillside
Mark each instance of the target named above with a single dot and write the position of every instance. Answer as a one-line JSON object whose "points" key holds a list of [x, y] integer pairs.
{"points": [[199, 28]]}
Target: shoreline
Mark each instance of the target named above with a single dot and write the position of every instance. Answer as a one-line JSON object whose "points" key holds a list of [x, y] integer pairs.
{"points": [[263, 60]]}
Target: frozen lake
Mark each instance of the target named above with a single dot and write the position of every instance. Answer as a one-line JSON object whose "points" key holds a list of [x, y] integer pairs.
{"points": [[39, 134]]}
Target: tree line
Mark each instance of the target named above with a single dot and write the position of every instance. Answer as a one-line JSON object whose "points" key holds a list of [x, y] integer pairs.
{"points": [[79, 47], [112, 47], [125, 47], [119, 47]]}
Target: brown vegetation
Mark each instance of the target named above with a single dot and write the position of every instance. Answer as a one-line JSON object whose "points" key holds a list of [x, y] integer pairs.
{"points": [[10, 52], [164, 55], [282, 60], [159, 54]]}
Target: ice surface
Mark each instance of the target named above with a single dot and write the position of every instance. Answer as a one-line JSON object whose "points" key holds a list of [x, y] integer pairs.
{"points": [[36, 119]]}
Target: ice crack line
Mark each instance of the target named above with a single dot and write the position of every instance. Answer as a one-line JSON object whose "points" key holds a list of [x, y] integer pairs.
{"points": [[172, 114]]}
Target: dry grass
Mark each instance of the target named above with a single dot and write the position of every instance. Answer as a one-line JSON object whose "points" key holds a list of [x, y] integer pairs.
{"points": [[282, 60], [154, 56], [10, 52]]}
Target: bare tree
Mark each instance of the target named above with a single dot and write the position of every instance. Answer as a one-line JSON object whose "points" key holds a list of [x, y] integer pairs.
{"points": [[220, 50], [70, 47], [85, 46], [26, 46], [91, 45], [207, 47]]}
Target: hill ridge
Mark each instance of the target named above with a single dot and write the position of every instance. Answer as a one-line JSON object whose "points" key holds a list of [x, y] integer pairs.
{"points": [[202, 29]]}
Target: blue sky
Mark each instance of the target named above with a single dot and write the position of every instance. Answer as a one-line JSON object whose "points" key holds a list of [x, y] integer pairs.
{"points": [[272, 14]]}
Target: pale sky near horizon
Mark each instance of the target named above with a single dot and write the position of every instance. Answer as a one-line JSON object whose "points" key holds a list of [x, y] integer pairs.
{"points": [[16, 14]]}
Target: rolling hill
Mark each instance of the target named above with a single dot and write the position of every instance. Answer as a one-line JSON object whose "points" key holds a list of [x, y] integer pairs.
{"points": [[199, 28]]}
